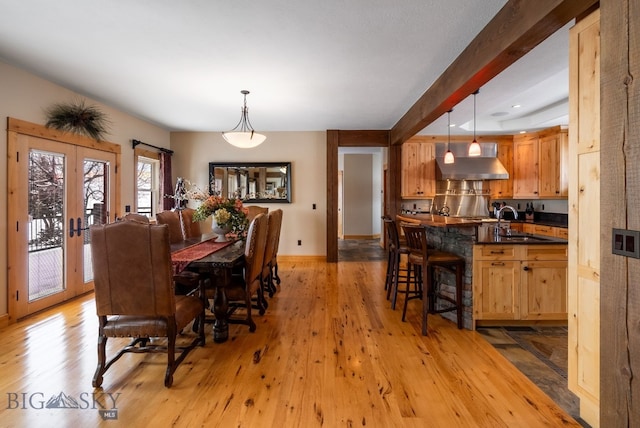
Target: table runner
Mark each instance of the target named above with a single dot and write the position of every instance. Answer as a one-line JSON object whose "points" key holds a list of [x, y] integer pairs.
{"points": [[181, 258]]}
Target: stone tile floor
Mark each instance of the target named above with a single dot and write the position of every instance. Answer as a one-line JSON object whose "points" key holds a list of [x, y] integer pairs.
{"points": [[541, 354], [354, 250], [538, 352]]}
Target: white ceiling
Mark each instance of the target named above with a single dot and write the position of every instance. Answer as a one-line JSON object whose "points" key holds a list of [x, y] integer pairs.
{"points": [[310, 65]]}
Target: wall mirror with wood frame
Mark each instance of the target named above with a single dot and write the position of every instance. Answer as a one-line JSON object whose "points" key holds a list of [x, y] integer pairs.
{"points": [[251, 181]]}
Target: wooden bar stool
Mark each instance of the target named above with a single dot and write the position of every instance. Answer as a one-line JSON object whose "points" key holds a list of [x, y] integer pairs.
{"points": [[395, 249], [422, 262]]}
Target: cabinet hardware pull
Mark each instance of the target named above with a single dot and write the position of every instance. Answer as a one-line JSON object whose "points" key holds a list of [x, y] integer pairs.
{"points": [[526, 268], [497, 252], [497, 264]]}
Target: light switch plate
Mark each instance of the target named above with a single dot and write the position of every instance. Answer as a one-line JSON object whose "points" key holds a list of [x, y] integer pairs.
{"points": [[626, 243]]}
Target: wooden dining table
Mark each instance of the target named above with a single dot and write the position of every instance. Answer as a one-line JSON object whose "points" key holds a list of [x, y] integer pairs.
{"points": [[219, 265]]}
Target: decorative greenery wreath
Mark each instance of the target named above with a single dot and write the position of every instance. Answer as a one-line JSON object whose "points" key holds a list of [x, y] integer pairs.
{"points": [[79, 118]]}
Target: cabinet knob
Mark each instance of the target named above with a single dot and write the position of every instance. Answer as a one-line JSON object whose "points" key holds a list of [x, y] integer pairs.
{"points": [[526, 268]]}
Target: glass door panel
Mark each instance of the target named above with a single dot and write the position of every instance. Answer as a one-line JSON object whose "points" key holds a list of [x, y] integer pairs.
{"points": [[97, 195], [45, 233]]}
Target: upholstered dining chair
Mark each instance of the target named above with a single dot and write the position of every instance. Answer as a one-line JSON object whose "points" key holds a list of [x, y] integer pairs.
{"points": [[186, 281], [134, 294], [172, 220], [136, 217], [254, 210], [274, 221], [191, 228], [240, 294]]}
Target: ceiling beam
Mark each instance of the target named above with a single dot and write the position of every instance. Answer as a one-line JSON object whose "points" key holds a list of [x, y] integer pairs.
{"points": [[515, 30]]}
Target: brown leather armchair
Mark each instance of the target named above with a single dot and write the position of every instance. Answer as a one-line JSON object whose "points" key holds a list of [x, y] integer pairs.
{"points": [[134, 294], [274, 219], [254, 210], [172, 220], [181, 226], [136, 217], [243, 288]]}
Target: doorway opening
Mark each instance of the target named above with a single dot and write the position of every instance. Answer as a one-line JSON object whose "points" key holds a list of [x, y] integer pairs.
{"points": [[361, 184]]}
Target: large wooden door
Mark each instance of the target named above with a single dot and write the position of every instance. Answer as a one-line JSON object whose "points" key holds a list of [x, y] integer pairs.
{"points": [[57, 190], [585, 233]]}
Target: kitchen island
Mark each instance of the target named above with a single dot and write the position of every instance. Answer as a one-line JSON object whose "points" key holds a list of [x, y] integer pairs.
{"points": [[523, 283]]}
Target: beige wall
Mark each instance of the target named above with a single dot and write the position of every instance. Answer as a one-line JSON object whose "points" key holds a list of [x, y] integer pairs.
{"points": [[25, 96], [307, 153]]}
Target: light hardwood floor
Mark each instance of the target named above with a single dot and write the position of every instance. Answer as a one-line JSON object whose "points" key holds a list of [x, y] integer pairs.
{"points": [[328, 352]]}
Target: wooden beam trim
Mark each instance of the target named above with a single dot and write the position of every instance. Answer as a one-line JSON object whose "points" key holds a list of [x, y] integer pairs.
{"points": [[363, 138], [40, 131], [516, 29]]}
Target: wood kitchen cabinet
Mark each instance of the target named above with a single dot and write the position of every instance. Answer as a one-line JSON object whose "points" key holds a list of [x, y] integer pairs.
{"points": [[541, 164], [504, 188], [525, 166], [540, 229], [553, 164], [418, 169], [519, 284]]}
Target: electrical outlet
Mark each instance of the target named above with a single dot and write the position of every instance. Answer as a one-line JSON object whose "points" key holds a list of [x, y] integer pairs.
{"points": [[127, 208], [626, 243], [314, 206], [299, 242]]}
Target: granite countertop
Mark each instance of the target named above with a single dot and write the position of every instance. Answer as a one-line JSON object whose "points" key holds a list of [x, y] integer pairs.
{"points": [[485, 235], [438, 220], [518, 239], [443, 221]]}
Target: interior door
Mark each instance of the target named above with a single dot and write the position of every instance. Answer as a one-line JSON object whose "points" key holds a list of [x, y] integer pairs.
{"points": [[60, 190]]}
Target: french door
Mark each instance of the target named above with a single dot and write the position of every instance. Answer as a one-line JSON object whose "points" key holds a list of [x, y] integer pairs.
{"points": [[59, 190]]}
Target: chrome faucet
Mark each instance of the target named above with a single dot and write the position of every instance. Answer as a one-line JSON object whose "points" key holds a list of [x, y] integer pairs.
{"points": [[499, 215]]}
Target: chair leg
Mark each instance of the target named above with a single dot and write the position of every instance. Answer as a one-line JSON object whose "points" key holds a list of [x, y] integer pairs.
{"points": [[417, 285], [252, 325], [275, 275], [427, 298], [270, 287], [171, 355], [396, 279], [102, 356], [389, 277]]}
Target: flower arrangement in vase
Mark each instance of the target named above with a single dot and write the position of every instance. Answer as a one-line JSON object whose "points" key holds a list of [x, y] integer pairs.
{"points": [[229, 215]]}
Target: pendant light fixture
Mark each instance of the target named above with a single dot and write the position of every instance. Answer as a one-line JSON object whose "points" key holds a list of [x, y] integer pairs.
{"points": [[243, 135], [474, 147], [448, 156]]}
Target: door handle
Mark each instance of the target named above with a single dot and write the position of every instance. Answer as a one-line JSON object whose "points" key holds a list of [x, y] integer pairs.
{"points": [[71, 228], [79, 231]]}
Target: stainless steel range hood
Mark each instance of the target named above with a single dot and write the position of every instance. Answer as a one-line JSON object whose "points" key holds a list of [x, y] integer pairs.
{"points": [[484, 167]]}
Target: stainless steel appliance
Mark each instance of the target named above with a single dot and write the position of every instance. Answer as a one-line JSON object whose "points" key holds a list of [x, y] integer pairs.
{"points": [[461, 198], [485, 167]]}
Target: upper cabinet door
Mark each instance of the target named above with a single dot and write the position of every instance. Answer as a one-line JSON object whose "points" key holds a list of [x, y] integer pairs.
{"points": [[553, 165], [525, 166], [418, 170], [504, 188]]}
